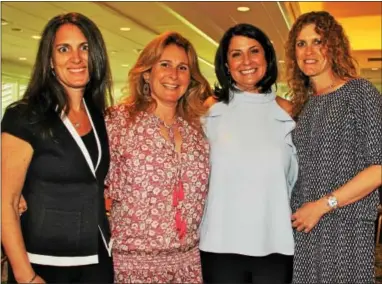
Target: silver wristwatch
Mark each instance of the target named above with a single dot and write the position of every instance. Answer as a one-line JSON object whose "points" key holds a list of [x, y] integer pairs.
{"points": [[332, 201]]}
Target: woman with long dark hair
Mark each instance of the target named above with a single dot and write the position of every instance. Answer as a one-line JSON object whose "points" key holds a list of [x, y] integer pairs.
{"points": [[55, 153]]}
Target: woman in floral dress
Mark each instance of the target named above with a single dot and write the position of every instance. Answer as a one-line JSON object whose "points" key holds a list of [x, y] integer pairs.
{"points": [[159, 166]]}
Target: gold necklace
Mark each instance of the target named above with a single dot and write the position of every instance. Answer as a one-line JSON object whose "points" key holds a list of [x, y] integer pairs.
{"points": [[74, 121]]}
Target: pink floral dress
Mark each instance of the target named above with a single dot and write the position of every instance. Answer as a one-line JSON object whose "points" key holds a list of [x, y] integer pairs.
{"points": [[158, 199]]}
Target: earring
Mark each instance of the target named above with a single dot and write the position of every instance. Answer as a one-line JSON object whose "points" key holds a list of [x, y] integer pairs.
{"points": [[146, 89]]}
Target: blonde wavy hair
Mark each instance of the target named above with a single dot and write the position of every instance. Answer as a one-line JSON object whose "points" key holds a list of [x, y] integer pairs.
{"points": [[338, 53], [190, 106]]}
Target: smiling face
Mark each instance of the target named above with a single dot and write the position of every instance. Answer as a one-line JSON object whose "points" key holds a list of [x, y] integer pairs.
{"points": [[246, 62], [311, 55], [70, 58], [170, 77]]}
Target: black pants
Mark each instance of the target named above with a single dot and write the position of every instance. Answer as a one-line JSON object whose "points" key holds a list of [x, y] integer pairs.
{"points": [[236, 268], [102, 272]]}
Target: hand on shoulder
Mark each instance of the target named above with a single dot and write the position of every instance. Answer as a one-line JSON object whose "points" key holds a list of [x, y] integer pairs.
{"points": [[285, 105], [210, 101]]}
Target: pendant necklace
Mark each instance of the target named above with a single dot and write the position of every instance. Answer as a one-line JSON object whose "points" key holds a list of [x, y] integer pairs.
{"points": [[178, 189]]}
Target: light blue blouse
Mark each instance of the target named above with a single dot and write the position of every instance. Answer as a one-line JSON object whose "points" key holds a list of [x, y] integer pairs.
{"points": [[253, 171]]}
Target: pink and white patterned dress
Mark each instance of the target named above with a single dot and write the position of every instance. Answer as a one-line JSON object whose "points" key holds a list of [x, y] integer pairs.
{"points": [[158, 199]]}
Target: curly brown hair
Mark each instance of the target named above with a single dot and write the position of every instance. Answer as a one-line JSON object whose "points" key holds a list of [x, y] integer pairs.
{"points": [[190, 106], [338, 52]]}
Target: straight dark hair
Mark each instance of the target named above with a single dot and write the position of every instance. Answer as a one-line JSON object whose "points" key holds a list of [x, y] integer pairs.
{"points": [[225, 80], [45, 97]]}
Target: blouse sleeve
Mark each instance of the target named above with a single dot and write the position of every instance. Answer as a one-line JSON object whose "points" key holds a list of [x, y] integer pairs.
{"points": [[368, 115], [18, 125], [210, 120], [115, 183]]}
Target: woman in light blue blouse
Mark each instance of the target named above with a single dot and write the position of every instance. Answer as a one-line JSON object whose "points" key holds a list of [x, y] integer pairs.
{"points": [[246, 233]]}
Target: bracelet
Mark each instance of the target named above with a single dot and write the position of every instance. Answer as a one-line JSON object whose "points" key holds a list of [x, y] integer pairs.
{"points": [[33, 278]]}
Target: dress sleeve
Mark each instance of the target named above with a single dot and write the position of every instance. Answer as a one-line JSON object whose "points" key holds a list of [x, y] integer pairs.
{"points": [[368, 115], [115, 122], [18, 125]]}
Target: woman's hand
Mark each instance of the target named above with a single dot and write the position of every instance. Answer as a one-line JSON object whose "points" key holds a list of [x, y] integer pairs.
{"points": [[22, 205], [308, 215]]}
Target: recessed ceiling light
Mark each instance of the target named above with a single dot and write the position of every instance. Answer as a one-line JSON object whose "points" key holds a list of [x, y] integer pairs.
{"points": [[22, 58], [4, 22], [374, 69], [125, 29], [36, 37], [137, 50], [281, 61], [243, 9], [125, 65], [113, 52]]}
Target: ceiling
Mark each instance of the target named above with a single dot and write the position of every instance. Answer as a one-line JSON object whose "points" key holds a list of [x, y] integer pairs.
{"points": [[203, 23]]}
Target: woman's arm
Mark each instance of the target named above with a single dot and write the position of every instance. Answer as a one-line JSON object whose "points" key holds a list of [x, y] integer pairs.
{"points": [[360, 186], [366, 104], [366, 181], [15, 159]]}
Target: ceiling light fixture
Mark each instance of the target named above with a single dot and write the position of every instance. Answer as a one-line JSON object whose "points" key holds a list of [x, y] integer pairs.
{"points": [[281, 61], [36, 37], [125, 65], [243, 9], [375, 69], [22, 58], [125, 29], [4, 22]]}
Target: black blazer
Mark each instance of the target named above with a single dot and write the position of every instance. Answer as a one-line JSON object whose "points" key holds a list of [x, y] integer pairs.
{"points": [[64, 193]]}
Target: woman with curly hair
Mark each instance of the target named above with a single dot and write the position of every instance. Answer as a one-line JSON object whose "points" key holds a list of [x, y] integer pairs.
{"points": [[159, 166], [338, 138]]}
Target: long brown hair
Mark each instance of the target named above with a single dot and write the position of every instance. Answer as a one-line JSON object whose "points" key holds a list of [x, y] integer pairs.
{"points": [[190, 105], [338, 52], [45, 97]]}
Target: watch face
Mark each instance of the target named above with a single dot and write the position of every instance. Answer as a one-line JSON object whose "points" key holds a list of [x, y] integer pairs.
{"points": [[332, 201]]}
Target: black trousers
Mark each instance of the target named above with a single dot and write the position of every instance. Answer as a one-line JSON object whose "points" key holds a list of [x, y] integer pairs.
{"points": [[236, 268], [102, 272]]}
